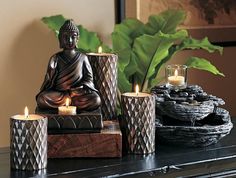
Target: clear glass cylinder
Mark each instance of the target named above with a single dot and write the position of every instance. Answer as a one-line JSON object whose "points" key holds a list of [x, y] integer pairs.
{"points": [[176, 76]]}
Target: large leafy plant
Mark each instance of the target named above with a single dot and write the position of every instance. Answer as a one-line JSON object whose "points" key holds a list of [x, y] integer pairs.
{"points": [[144, 49]]}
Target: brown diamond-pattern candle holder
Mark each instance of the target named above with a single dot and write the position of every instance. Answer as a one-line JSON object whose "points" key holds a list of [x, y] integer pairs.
{"points": [[28, 142], [104, 68], [139, 122]]}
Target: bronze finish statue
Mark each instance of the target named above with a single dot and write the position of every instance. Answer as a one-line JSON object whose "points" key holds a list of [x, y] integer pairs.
{"points": [[69, 75]]}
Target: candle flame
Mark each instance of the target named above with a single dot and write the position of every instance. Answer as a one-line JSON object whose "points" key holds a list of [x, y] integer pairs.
{"points": [[26, 111], [67, 102], [137, 89], [99, 49], [176, 73]]}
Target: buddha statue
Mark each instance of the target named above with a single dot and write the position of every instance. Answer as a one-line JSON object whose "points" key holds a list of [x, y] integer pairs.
{"points": [[69, 75]]}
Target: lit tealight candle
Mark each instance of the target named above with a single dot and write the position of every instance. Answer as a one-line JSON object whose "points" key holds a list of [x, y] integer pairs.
{"points": [[138, 110], [28, 141], [176, 80], [27, 116], [176, 76], [137, 90], [137, 93], [67, 110], [99, 49]]}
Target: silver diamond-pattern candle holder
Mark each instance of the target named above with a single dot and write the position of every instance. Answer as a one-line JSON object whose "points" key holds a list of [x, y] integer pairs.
{"points": [[104, 68], [139, 122], [28, 142]]}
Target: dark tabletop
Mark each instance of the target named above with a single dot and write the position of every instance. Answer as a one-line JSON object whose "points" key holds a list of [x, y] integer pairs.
{"points": [[168, 161]]}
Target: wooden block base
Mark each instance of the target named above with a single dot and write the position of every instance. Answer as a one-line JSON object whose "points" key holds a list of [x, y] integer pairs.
{"points": [[108, 143]]}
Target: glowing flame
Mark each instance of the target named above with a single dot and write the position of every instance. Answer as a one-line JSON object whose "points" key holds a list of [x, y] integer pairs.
{"points": [[26, 111], [99, 49], [67, 102], [136, 89], [176, 73]]}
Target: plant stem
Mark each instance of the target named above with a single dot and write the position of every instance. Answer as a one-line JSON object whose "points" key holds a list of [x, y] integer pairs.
{"points": [[145, 77]]}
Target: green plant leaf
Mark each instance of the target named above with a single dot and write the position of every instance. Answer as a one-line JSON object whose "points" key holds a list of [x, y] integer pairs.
{"points": [[132, 67], [123, 84], [190, 43], [125, 33], [125, 74], [202, 64], [150, 51], [124, 58], [89, 41], [54, 22], [122, 47], [165, 22], [105, 48], [155, 79], [122, 40]]}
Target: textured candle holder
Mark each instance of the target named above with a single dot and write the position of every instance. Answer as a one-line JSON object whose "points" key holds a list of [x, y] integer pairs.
{"points": [[28, 143], [139, 123], [176, 76], [104, 68]]}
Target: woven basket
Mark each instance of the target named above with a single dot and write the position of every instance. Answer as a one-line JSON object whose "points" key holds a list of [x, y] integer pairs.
{"points": [[214, 127]]}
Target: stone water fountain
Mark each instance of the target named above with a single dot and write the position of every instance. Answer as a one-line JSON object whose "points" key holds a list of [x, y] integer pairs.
{"points": [[190, 116]]}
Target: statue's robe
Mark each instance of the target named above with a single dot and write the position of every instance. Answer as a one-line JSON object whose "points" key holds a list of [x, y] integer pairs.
{"points": [[68, 78]]}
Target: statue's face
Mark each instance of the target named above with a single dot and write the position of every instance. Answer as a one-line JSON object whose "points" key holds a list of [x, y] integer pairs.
{"points": [[69, 40]]}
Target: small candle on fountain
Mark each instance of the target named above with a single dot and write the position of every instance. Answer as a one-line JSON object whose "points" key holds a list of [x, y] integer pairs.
{"points": [[28, 141], [176, 76], [176, 79], [67, 110]]}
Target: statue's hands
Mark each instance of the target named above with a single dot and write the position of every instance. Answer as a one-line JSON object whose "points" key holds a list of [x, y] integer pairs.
{"points": [[79, 91], [76, 92]]}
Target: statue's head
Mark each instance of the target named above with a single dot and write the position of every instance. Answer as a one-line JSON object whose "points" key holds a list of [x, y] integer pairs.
{"points": [[68, 35]]}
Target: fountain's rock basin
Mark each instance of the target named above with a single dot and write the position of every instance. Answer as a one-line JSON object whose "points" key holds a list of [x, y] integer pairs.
{"points": [[205, 132], [189, 104]]}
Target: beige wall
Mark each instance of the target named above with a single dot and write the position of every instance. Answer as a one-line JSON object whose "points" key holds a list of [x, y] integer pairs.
{"points": [[27, 44]]}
